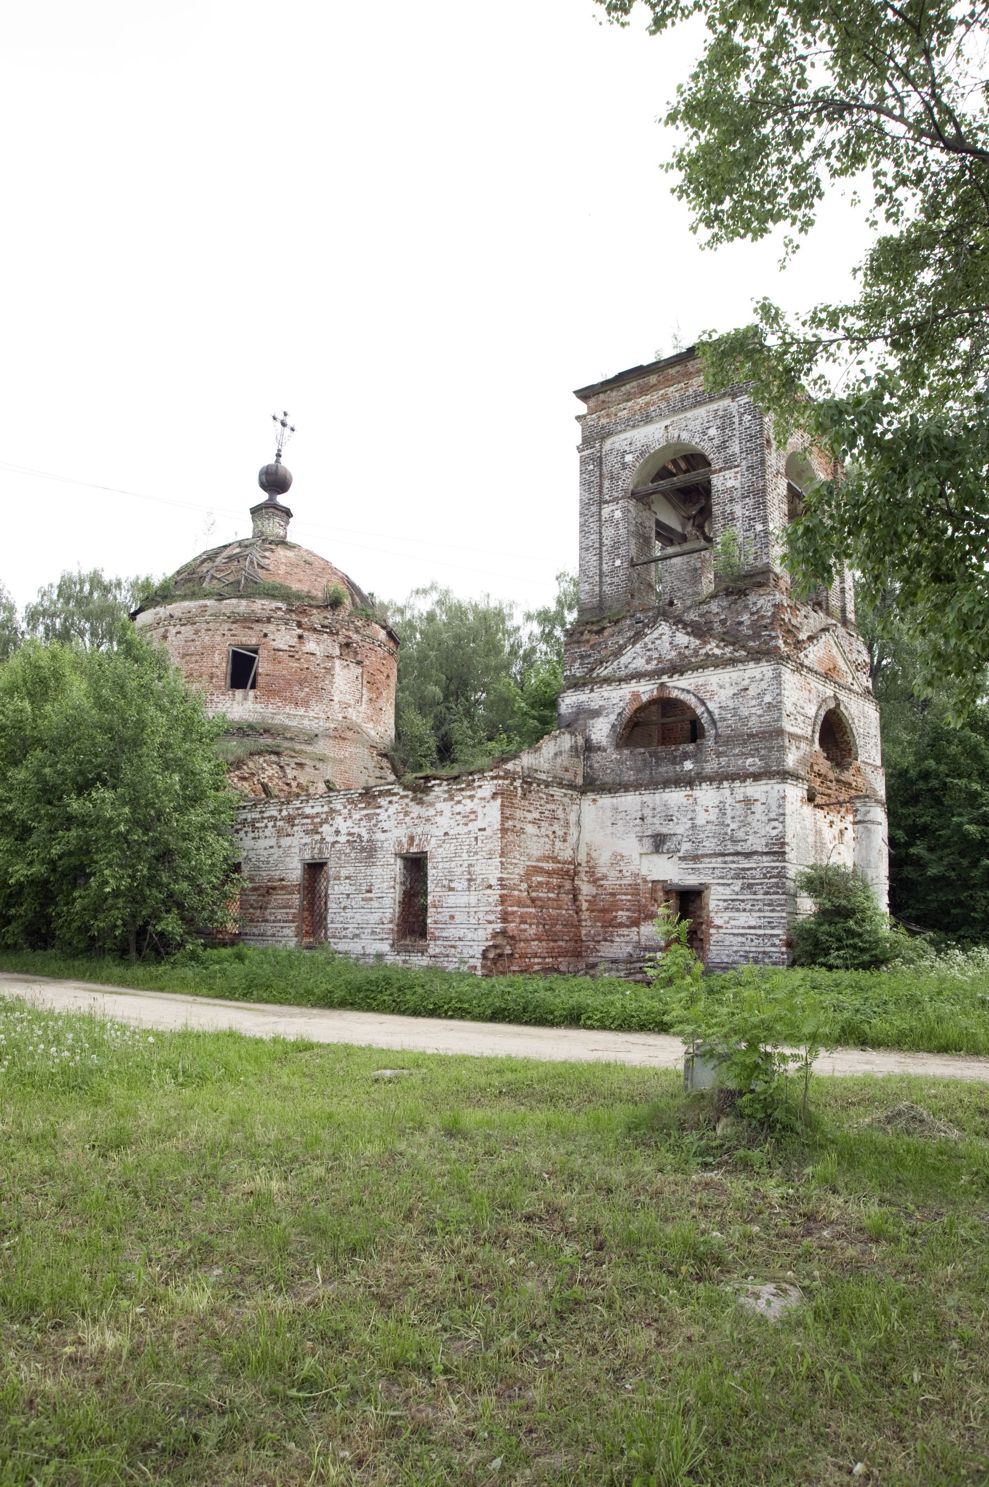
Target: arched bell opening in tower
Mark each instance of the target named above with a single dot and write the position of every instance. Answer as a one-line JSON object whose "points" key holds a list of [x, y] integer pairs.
{"points": [[801, 478], [676, 483]]}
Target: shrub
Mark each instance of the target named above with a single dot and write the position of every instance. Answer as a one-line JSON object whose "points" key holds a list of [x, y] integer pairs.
{"points": [[847, 930], [115, 813], [758, 1026]]}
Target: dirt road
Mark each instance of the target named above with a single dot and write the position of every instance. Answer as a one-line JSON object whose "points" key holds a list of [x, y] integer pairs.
{"points": [[165, 1009]]}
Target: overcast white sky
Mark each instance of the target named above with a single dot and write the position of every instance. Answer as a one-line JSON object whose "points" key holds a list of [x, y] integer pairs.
{"points": [[417, 228]]}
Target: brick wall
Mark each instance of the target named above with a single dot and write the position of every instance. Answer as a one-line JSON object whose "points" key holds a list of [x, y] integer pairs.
{"points": [[741, 810], [325, 693], [559, 859], [500, 849]]}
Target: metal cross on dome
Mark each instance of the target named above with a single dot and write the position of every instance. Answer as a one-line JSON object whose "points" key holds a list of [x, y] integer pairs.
{"points": [[283, 433]]}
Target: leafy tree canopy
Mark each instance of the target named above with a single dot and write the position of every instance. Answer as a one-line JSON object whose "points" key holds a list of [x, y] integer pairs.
{"points": [[87, 609], [474, 682], [10, 633], [888, 99], [937, 788], [114, 807]]}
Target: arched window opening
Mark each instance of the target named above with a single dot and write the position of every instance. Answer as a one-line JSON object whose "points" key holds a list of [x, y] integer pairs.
{"points": [[676, 483], [661, 723], [801, 477], [835, 738]]}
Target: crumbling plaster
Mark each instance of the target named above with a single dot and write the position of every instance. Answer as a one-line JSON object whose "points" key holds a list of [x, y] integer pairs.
{"points": [[559, 859]]}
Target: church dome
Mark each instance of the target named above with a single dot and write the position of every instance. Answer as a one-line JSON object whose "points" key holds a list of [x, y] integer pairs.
{"points": [[287, 648], [261, 567]]}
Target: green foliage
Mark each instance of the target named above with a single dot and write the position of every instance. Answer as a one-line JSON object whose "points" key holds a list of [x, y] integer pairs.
{"points": [[10, 633], [730, 555], [335, 595], [234, 749], [114, 811], [847, 930], [677, 963], [474, 683], [86, 609], [168, 592], [758, 1029], [938, 796], [937, 790], [941, 1006], [548, 626], [243, 1261], [889, 102]]}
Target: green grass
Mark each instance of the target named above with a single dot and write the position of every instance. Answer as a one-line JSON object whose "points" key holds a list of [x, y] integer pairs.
{"points": [[937, 1010], [225, 1260]]}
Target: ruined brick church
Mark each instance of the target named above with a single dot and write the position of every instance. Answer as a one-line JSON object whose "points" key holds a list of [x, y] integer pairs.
{"points": [[715, 734]]}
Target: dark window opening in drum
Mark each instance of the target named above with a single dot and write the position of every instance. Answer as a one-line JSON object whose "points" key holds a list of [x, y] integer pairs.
{"points": [[242, 668]]}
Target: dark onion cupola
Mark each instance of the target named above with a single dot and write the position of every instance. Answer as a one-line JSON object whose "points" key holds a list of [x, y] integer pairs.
{"points": [[270, 518]]}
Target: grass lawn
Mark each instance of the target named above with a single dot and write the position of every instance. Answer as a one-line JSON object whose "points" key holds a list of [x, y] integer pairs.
{"points": [[225, 1260]]}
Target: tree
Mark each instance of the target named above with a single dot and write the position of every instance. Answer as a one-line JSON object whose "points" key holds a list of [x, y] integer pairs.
{"points": [[474, 683], [87, 609], [890, 99], [937, 787], [548, 626], [938, 796], [114, 809], [10, 635]]}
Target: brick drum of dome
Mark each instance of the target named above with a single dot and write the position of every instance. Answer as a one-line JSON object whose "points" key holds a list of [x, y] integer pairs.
{"points": [[286, 647]]}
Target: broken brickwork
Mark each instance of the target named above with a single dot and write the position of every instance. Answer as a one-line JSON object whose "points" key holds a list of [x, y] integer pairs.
{"points": [[735, 813], [715, 733], [497, 850], [318, 704]]}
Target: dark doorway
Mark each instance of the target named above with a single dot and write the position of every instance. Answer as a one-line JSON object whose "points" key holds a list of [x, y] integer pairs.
{"points": [[315, 894], [691, 904], [412, 918]]}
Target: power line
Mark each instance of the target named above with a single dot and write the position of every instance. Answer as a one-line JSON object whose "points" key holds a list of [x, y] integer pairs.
{"points": [[347, 533], [213, 510]]}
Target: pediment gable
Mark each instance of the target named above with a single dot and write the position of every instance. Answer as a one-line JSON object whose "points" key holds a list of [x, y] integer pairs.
{"points": [[827, 653], [668, 645]]}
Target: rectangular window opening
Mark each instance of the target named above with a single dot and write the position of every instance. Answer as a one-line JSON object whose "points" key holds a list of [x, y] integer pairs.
{"points": [[315, 897], [411, 924], [242, 668]]}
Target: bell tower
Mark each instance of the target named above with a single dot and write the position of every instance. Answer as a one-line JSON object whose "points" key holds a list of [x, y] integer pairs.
{"points": [[731, 732]]}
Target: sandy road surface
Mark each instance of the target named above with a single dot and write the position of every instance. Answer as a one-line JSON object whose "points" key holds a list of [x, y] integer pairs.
{"points": [[165, 1009]]}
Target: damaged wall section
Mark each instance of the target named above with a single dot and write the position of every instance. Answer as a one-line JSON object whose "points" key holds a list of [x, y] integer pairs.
{"points": [[484, 864]]}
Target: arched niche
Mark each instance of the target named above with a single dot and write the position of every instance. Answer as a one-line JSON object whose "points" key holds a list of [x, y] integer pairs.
{"points": [[675, 483], [666, 720], [834, 736]]}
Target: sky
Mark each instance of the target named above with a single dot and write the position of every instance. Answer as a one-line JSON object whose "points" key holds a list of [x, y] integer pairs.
{"points": [[416, 228]]}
